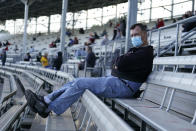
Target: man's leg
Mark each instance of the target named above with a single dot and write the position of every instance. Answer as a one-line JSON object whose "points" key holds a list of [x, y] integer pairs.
{"points": [[110, 87]]}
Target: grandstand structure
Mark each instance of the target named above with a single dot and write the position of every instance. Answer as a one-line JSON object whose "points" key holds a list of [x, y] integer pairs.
{"points": [[168, 102]]}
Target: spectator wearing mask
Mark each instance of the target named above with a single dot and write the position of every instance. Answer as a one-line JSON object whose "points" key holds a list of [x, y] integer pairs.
{"points": [[58, 61], [128, 73]]}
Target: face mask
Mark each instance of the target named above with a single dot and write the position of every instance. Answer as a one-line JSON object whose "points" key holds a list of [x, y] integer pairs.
{"points": [[136, 41]]}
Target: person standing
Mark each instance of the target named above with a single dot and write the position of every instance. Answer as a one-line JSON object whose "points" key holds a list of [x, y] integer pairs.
{"points": [[4, 56]]}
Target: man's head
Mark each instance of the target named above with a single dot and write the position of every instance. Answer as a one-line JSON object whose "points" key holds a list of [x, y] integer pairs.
{"points": [[89, 49], [139, 35]]}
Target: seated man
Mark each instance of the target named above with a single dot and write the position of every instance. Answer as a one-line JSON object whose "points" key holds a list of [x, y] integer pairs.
{"points": [[90, 59], [128, 73]]}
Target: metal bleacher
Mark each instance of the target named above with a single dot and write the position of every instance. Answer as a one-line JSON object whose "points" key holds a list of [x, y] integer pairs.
{"points": [[168, 102]]}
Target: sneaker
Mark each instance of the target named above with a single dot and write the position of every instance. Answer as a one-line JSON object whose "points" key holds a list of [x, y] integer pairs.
{"points": [[36, 103]]}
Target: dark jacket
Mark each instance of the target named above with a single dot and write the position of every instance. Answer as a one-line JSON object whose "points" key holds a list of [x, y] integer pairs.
{"points": [[58, 61], [90, 59], [135, 65]]}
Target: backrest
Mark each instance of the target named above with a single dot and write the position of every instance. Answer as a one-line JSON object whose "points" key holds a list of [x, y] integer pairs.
{"points": [[184, 97]]}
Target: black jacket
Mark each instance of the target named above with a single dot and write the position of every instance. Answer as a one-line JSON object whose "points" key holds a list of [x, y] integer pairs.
{"points": [[135, 65], [90, 59], [58, 61]]}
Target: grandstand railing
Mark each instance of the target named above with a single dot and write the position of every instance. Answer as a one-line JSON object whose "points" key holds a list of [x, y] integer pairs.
{"points": [[174, 43]]}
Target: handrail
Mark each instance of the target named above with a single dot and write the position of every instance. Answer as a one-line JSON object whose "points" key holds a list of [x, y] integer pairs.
{"points": [[175, 24]]}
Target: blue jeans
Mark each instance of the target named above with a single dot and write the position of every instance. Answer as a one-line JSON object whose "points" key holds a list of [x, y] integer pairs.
{"points": [[109, 87]]}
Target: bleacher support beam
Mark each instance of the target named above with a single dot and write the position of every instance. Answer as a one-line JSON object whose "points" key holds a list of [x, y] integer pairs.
{"points": [[63, 23], [131, 19]]}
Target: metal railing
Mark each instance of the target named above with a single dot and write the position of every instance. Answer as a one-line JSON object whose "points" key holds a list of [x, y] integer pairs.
{"points": [[175, 42]]}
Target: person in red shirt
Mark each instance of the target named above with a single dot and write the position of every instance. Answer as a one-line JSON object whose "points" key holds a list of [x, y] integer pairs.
{"points": [[6, 48], [160, 23]]}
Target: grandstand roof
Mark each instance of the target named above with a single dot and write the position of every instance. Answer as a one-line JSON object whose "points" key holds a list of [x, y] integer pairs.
{"points": [[14, 9]]}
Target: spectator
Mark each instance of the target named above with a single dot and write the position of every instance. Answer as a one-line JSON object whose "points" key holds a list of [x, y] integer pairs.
{"points": [[128, 74], [51, 44], [34, 38], [75, 41], [81, 53], [7, 43], [90, 59], [71, 42], [68, 33], [39, 56], [91, 39], [27, 57], [58, 61], [81, 31], [3, 57], [114, 33], [6, 48], [58, 40], [31, 49], [105, 41], [188, 26], [104, 33], [118, 35], [160, 23], [123, 27], [96, 35], [44, 60], [110, 24], [16, 48]]}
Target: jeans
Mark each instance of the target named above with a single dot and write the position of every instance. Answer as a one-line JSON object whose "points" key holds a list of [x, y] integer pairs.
{"points": [[108, 87]]}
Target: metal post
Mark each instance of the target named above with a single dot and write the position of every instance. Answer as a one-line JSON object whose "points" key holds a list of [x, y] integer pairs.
{"points": [[25, 26], [73, 23], [171, 99], [14, 27], [150, 37], [131, 19], [159, 43], [193, 7], [49, 21], [86, 19], [102, 16], [150, 19], [116, 17], [177, 38], [36, 25], [63, 23], [172, 9]]}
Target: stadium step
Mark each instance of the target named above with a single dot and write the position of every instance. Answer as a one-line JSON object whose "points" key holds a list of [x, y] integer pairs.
{"points": [[38, 124], [54, 122], [62, 122]]}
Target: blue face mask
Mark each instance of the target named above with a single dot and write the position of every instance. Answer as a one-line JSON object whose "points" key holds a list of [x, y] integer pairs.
{"points": [[136, 41]]}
